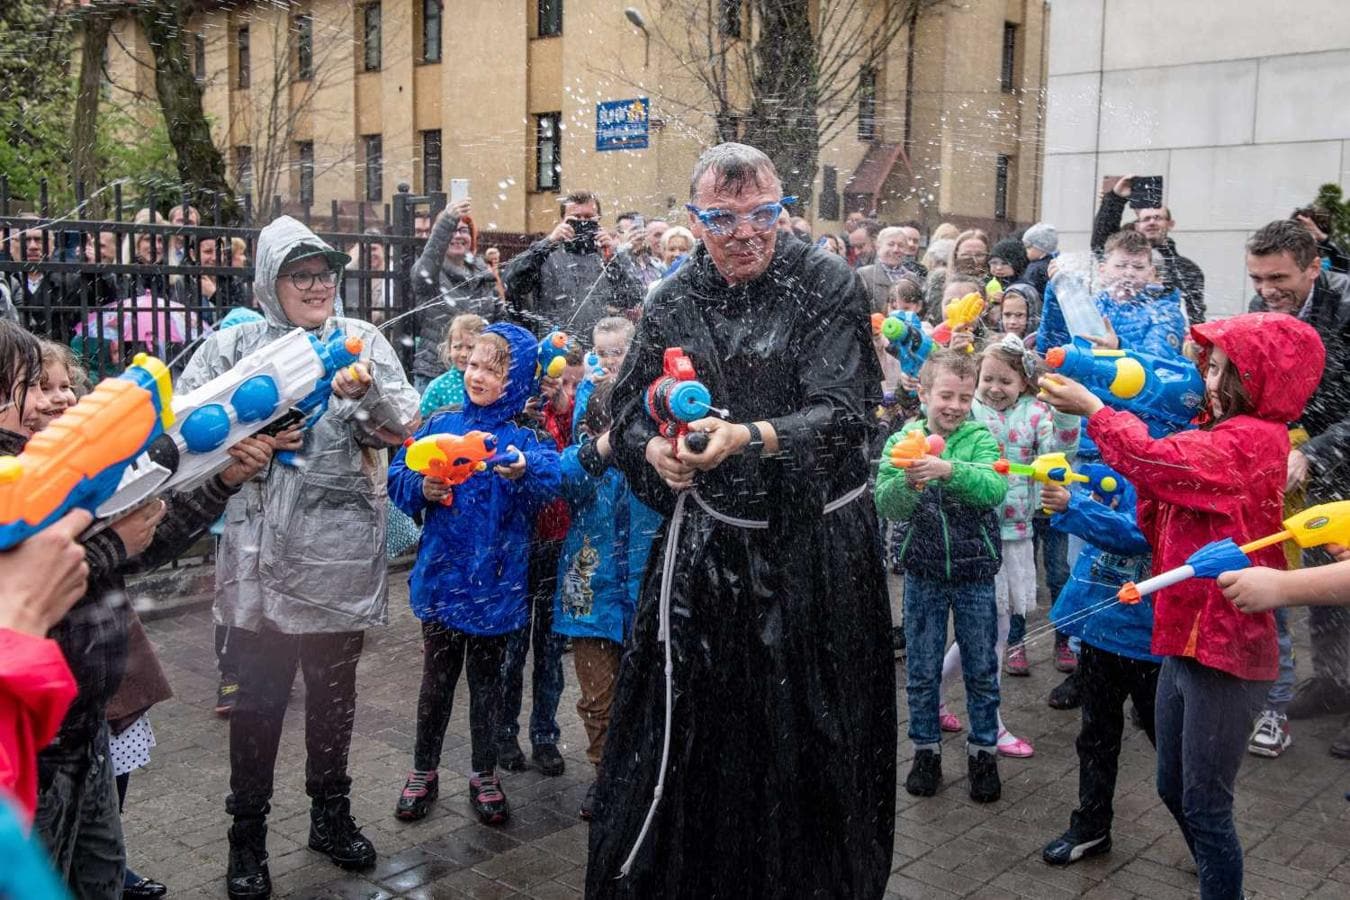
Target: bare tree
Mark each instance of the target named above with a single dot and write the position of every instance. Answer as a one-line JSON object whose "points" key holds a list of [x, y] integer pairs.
{"points": [[777, 76]]}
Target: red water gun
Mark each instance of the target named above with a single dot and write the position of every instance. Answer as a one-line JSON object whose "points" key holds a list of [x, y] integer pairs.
{"points": [[677, 398]]}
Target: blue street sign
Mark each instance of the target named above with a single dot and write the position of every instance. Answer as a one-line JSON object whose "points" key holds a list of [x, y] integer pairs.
{"points": [[622, 124]]}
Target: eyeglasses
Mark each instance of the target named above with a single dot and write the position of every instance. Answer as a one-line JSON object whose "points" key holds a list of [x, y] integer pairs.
{"points": [[303, 281], [722, 222]]}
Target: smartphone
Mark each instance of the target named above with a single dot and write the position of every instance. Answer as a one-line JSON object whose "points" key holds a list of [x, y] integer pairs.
{"points": [[1146, 192], [459, 189]]}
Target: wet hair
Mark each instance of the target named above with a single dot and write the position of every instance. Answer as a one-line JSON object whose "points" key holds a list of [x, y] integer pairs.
{"points": [[1127, 240], [59, 354], [735, 167], [499, 348], [580, 198], [20, 364], [1013, 359], [469, 322], [1284, 236], [598, 417], [614, 325], [962, 365]]}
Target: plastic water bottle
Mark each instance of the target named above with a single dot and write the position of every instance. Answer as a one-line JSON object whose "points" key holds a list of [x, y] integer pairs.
{"points": [[1073, 290]]}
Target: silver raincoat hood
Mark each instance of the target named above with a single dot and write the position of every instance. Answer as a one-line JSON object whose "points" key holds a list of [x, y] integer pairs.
{"points": [[304, 548]]}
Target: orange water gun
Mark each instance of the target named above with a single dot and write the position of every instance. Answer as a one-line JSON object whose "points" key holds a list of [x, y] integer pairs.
{"points": [[78, 461], [960, 313], [914, 446], [455, 458]]}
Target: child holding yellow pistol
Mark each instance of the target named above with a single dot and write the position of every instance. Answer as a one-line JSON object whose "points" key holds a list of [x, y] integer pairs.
{"points": [[950, 551], [469, 584], [1224, 480]]}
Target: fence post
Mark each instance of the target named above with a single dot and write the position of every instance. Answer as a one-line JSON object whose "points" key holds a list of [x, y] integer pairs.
{"points": [[402, 214]]}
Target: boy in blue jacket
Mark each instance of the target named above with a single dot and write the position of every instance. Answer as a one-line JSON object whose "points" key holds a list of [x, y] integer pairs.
{"points": [[600, 572], [469, 583], [1114, 662]]}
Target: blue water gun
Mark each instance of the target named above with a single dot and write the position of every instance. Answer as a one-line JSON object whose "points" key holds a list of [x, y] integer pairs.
{"points": [[78, 461], [906, 341], [1103, 481], [336, 353], [1165, 390]]}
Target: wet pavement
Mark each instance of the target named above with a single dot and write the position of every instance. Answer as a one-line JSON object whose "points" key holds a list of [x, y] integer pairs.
{"points": [[1292, 815]]}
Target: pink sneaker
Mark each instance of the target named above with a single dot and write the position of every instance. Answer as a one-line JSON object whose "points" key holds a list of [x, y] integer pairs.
{"points": [[948, 720], [1015, 663], [1065, 659], [1012, 746]]}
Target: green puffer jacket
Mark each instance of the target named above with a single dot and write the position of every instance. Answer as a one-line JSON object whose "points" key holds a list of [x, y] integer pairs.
{"points": [[950, 529]]}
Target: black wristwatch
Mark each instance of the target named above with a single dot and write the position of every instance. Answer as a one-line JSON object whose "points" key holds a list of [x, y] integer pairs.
{"points": [[756, 444]]}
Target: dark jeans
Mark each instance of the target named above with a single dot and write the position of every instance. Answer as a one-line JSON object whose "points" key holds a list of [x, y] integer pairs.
{"points": [[445, 652], [548, 648], [267, 664], [1329, 631], [78, 820], [227, 651], [1203, 719], [971, 606], [1106, 682], [1052, 545]]}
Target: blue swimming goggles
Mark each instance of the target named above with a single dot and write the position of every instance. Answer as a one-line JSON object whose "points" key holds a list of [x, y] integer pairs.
{"points": [[723, 222]]}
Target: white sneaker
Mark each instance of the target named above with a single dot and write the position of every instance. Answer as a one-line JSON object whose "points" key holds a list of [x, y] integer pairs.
{"points": [[1271, 735]]}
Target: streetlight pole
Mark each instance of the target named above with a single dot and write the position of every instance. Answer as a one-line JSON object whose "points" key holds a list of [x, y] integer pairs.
{"points": [[640, 23]]}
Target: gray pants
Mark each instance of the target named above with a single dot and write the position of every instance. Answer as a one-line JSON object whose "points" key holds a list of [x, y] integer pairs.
{"points": [[77, 819]]}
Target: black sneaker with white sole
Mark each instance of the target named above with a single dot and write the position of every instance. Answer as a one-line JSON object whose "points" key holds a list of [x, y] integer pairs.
{"points": [[1070, 848]]}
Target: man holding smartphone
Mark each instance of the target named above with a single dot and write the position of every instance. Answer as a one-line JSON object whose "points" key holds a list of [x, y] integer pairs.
{"points": [[1154, 221], [572, 278]]}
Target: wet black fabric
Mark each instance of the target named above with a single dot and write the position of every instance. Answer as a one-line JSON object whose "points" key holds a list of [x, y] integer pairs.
{"points": [[782, 771]]}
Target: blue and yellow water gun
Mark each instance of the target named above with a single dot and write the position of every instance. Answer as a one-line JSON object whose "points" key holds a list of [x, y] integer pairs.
{"points": [[1169, 390], [337, 353], [78, 461], [552, 355]]}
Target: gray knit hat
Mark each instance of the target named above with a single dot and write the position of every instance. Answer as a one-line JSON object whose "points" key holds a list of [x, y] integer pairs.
{"points": [[1043, 237]]}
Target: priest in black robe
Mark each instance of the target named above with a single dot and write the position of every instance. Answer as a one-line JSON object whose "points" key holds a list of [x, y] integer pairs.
{"points": [[780, 777]]}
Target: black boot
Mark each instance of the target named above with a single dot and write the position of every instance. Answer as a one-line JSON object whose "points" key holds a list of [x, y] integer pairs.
{"points": [[246, 876], [333, 831]]}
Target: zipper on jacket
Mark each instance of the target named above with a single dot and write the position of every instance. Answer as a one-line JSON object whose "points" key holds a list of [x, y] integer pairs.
{"points": [[946, 539], [988, 544]]}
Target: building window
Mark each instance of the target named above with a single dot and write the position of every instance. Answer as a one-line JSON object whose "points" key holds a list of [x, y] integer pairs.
{"points": [[867, 104], [431, 161], [374, 148], [729, 23], [550, 17], [431, 31], [1009, 55], [370, 36], [829, 193], [304, 154], [548, 152], [241, 46], [243, 170], [1001, 188], [199, 58], [304, 47]]}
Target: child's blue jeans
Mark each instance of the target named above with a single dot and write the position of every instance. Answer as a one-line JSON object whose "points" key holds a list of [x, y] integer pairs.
{"points": [[1282, 691], [1203, 717], [971, 606]]}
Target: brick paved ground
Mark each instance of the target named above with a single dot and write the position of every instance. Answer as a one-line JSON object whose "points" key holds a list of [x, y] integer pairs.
{"points": [[1293, 817]]}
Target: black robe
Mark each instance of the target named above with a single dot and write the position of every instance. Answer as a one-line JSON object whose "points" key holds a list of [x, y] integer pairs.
{"points": [[782, 767]]}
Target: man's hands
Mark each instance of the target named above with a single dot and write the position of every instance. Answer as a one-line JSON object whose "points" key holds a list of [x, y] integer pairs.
{"points": [[1297, 471], [251, 456], [435, 489], [724, 439], [1124, 187], [562, 232], [352, 382], [605, 241], [1068, 396], [137, 528], [43, 577], [677, 474], [292, 438]]}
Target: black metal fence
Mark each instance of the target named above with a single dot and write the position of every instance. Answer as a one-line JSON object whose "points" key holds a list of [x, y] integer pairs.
{"points": [[111, 288]]}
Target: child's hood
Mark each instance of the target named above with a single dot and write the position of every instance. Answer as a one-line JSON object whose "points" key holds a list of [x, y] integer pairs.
{"points": [[521, 378], [1279, 359]]}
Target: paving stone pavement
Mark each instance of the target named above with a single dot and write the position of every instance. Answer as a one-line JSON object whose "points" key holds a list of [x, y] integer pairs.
{"points": [[1293, 818]]}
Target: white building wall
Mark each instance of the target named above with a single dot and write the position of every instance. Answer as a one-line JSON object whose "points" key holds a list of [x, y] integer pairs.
{"points": [[1243, 106]]}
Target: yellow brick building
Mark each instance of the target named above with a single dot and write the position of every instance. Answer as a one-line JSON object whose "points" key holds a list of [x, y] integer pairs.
{"points": [[345, 99]]}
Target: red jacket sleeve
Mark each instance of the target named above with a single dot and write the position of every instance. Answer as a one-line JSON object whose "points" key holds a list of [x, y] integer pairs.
{"points": [[36, 688], [1191, 468]]}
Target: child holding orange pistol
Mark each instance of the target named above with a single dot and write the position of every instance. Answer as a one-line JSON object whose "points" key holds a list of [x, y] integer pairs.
{"points": [[950, 550], [469, 583], [1225, 479]]}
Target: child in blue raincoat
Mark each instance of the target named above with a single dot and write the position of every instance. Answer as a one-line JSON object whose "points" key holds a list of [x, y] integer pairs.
{"points": [[1115, 661], [600, 571], [468, 585]]}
